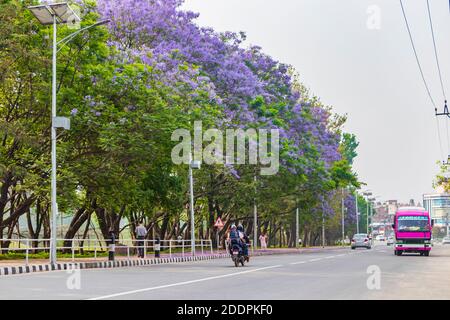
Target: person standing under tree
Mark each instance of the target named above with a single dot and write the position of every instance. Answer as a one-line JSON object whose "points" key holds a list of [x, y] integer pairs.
{"points": [[141, 233], [263, 241]]}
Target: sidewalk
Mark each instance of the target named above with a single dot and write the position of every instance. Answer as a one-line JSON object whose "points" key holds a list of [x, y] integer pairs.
{"points": [[8, 267], [269, 251]]}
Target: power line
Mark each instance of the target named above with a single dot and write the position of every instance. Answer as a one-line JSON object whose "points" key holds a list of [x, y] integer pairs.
{"points": [[435, 50], [415, 54], [423, 77], [439, 71]]}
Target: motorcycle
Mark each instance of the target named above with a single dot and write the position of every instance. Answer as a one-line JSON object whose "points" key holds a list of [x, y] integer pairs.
{"points": [[237, 256]]}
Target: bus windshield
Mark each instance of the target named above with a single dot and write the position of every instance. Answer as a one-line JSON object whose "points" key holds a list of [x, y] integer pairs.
{"points": [[413, 223]]}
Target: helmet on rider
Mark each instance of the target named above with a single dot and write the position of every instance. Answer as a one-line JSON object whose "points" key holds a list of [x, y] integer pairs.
{"points": [[240, 228]]}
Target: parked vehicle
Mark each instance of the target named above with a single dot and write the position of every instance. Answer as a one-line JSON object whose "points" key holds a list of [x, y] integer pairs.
{"points": [[412, 226], [361, 240], [446, 240]]}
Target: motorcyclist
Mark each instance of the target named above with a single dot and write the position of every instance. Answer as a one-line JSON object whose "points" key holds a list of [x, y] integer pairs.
{"points": [[244, 240], [234, 239]]}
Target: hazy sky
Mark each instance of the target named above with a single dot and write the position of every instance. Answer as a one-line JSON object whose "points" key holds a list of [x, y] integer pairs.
{"points": [[368, 73]]}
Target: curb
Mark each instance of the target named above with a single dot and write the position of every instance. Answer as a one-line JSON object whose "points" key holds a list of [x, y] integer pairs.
{"points": [[4, 271]]}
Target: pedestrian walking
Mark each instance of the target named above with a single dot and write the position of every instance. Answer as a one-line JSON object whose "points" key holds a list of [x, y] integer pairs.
{"points": [[141, 233]]}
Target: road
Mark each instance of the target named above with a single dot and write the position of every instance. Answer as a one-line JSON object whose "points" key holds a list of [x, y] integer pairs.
{"points": [[328, 274]]}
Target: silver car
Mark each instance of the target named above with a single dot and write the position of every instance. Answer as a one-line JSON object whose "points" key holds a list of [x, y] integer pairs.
{"points": [[446, 240], [361, 240]]}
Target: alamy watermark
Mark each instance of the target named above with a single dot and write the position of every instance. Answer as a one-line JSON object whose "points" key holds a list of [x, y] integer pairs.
{"points": [[263, 147], [374, 280], [374, 17], [73, 282]]}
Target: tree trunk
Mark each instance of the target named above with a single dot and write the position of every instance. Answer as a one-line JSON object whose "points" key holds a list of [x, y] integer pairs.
{"points": [[164, 225], [77, 222], [109, 221], [86, 230]]}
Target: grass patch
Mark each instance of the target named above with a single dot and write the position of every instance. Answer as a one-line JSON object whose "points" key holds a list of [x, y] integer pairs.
{"points": [[46, 255]]}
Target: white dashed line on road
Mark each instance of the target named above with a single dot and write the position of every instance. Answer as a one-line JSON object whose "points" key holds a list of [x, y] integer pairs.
{"points": [[181, 283], [299, 262]]}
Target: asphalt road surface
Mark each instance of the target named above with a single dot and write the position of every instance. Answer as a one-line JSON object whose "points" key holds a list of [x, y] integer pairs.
{"points": [[328, 274]]}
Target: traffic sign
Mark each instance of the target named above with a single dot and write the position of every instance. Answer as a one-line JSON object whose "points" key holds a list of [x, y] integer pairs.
{"points": [[219, 224]]}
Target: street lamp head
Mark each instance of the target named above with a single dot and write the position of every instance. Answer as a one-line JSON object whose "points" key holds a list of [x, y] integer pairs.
{"points": [[46, 13], [42, 13], [64, 12]]}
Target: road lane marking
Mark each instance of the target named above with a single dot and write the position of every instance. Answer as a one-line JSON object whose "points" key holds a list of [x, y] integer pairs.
{"points": [[312, 260], [299, 262], [182, 283]]}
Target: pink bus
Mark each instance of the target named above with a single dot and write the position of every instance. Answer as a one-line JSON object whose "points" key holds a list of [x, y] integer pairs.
{"points": [[412, 226]]}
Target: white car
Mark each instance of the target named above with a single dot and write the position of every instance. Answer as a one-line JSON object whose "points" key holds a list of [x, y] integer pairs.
{"points": [[390, 241], [380, 237], [446, 240]]}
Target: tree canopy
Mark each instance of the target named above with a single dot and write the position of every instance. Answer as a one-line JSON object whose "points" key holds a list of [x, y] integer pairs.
{"points": [[126, 87]]}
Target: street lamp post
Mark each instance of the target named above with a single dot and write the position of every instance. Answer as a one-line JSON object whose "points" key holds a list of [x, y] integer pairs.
{"points": [[53, 14], [297, 235], [342, 218], [323, 226], [192, 165], [255, 220], [357, 213], [367, 194], [371, 205], [323, 230]]}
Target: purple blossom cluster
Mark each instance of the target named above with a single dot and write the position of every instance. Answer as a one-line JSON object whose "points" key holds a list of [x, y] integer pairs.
{"points": [[350, 205], [184, 55]]}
